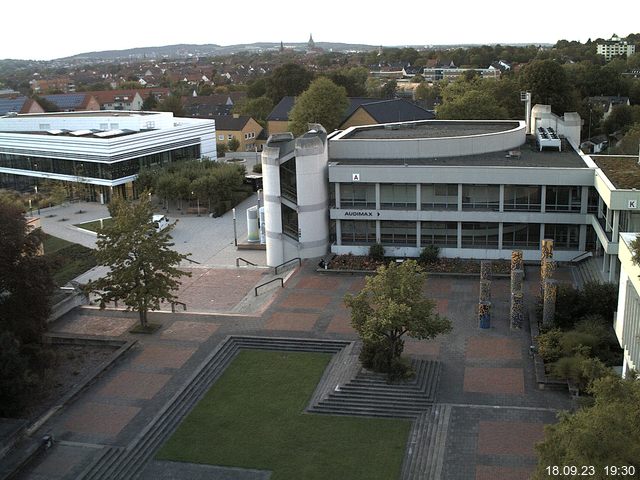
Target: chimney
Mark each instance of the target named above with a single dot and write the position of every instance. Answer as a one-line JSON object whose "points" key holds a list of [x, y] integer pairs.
{"points": [[236, 115]]}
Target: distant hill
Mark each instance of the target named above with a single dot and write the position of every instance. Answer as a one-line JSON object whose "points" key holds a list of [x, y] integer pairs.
{"points": [[187, 50]]}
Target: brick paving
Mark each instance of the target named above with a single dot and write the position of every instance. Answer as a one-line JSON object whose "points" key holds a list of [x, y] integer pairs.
{"points": [[497, 411]]}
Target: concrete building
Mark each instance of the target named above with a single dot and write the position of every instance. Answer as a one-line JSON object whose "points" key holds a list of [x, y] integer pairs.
{"points": [[627, 320], [102, 149], [241, 127], [615, 47]]}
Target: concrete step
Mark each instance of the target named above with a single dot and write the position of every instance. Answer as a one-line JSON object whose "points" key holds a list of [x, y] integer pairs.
{"points": [[366, 412]]}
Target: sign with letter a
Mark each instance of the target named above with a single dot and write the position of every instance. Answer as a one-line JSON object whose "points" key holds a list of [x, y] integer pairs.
{"points": [[356, 177]]}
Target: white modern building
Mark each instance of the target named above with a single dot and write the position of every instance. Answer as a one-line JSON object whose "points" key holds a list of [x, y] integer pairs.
{"points": [[627, 321], [615, 47], [104, 149]]}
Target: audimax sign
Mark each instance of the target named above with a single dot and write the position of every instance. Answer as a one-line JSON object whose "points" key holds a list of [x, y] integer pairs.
{"points": [[361, 213]]}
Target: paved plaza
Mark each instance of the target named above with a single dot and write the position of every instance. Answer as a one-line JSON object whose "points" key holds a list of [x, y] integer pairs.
{"points": [[487, 380]]}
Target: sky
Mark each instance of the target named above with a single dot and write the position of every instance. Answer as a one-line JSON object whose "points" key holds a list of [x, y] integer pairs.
{"points": [[43, 30]]}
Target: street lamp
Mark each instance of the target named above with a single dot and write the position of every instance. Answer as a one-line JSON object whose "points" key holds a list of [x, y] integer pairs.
{"points": [[235, 231], [197, 202]]}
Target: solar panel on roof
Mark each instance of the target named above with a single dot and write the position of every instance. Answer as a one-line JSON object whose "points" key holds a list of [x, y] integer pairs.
{"points": [[70, 100], [55, 132], [109, 133], [79, 133], [11, 104]]}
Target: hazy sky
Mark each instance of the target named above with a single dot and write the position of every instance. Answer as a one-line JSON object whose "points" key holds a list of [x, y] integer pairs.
{"points": [[46, 30]]}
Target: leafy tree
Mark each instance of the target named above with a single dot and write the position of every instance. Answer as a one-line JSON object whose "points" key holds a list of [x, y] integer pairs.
{"points": [[389, 306], [352, 79], [389, 89], [548, 84], [621, 118], [427, 93], [257, 108], [628, 145], [143, 267], [289, 79], [606, 433], [233, 144], [172, 103], [257, 88], [324, 102], [472, 105], [221, 149], [150, 103]]}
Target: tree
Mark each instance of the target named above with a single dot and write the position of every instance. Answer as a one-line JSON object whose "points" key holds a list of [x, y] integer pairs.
{"points": [[548, 84], [389, 89], [389, 306], [324, 102], [172, 103], [150, 103], [143, 267], [257, 108], [221, 149], [233, 144], [289, 79], [630, 143], [606, 433]]}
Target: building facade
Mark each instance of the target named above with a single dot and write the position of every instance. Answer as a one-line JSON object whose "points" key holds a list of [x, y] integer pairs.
{"points": [[614, 47], [104, 150]]}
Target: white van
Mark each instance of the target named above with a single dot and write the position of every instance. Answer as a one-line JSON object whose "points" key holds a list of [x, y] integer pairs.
{"points": [[160, 222]]}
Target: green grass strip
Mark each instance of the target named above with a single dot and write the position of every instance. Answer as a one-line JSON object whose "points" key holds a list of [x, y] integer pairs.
{"points": [[253, 418]]}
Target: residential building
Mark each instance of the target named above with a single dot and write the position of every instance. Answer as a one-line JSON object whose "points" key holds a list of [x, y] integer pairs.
{"points": [[207, 106], [615, 47], [103, 149], [243, 128], [118, 99], [437, 74], [607, 102], [56, 84], [19, 104], [73, 102], [386, 111]]}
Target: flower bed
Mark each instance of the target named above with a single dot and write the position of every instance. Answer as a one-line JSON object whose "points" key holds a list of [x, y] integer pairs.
{"points": [[443, 265]]}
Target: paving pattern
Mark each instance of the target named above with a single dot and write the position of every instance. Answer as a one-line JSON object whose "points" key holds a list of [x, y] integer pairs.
{"points": [[484, 421]]}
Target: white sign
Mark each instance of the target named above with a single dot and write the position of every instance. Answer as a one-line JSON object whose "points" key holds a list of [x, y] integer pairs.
{"points": [[633, 204], [355, 177]]}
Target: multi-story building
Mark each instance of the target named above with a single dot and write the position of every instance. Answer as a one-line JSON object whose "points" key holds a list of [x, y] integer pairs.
{"points": [[241, 127], [615, 47], [103, 149], [627, 320], [118, 99]]}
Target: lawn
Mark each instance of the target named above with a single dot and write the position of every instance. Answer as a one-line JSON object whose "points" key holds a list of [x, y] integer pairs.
{"points": [[253, 418], [94, 225], [67, 259]]}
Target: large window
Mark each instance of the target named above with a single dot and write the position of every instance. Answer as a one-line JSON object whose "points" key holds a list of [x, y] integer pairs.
{"points": [[288, 181], [442, 234], [399, 196], [357, 195], [398, 233], [481, 197], [592, 204], [521, 198], [358, 232], [290, 222], [565, 237], [563, 199], [439, 196], [479, 235], [521, 235]]}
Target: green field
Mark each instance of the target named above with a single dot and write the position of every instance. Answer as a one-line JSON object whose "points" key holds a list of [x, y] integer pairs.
{"points": [[67, 259], [253, 418], [94, 225]]}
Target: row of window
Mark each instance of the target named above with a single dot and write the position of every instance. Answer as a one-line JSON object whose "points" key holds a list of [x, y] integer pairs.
{"points": [[445, 234], [517, 198], [247, 136]]}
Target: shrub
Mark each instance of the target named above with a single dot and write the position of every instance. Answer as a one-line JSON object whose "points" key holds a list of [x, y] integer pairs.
{"points": [[376, 252], [375, 356], [549, 345], [257, 168], [580, 370], [593, 299], [429, 254], [574, 341]]}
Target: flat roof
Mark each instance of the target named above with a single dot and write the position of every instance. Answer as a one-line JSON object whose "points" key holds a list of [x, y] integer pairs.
{"points": [[88, 113], [529, 156], [623, 172], [430, 129]]}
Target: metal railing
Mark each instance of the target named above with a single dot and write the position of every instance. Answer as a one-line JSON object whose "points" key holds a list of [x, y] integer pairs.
{"points": [[298, 259], [267, 283], [245, 261], [582, 256], [192, 261], [173, 306]]}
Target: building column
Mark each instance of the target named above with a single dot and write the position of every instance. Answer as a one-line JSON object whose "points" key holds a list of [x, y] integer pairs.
{"points": [[459, 234], [584, 201], [543, 202], [459, 199], [500, 231], [608, 222], [542, 236], [418, 239], [616, 225], [377, 196], [599, 206], [501, 201], [613, 268], [418, 197], [337, 194], [582, 239], [338, 232], [378, 235], [605, 260]]}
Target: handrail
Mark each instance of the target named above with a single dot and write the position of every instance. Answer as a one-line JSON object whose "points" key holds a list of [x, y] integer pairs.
{"points": [[583, 254], [192, 261], [245, 261], [267, 283], [173, 306], [288, 261]]}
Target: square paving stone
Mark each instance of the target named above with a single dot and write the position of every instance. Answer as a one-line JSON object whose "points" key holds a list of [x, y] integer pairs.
{"points": [[508, 381], [509, 438], [340, 323], [100, 419], [163, 356], [422, 347], [99, 325], [60, 460], [494, 348], [189, 331], [299, 322], [135, 385], [486, 472], [305, 300], [320, 282], [356, 284]]}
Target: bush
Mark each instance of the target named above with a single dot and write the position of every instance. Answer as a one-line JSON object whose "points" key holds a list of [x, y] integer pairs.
{"points": [[580, 370], [594, 298], [429, 254], [573, 342], [257, 168], [549, 345], [376, 252], [375, 356]]}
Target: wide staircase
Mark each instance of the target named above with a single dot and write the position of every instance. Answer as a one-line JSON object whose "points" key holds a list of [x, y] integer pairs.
{"points": [[588, 270]]}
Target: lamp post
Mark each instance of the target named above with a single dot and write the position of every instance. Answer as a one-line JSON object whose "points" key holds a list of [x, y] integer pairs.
{"points": [[197, 203], [235, 231]]}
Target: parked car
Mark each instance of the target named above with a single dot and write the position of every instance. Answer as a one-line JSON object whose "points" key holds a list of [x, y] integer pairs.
{"points": [[160, 221]]}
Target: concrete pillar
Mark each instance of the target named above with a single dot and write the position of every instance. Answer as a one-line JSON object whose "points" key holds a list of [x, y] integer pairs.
{"points": [[459, 234], [377, 196], [337, 194], [418, 197], [584, 201], [501, 199], [485, 291], [582, 239], [616, 225], [484, 314], [549, 302], [608, 222], [418, 230], [500, 232], [543, 201], [338, 232], [517, 262], [517, 280], [459, 197], [613, 268], [486, 269], [516, 314]]}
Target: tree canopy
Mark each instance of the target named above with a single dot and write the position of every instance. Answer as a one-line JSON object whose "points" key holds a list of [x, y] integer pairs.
{"points": [[548, 83], [142, 266], [324, 102], [289, 79]]}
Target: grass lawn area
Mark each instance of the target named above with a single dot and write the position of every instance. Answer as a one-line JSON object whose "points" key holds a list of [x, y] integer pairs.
{"points": [[67, 259], [94, 225], [253, 417]]}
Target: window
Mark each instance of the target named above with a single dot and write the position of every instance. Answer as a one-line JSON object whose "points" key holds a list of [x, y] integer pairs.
{"points": [[290, 222], [439, 196], [592, 203], [398, 196], [563, 199], [288, 181], [357, 195], [398, 233], [565, 237], [521, 235], [358, 232], [442, 234], [479, 235], [481, 197], [221, 138], [230, 136], [44, 126], [521, 198]]}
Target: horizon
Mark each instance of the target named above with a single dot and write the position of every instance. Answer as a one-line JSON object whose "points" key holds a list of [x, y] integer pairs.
{"points": [[496, 22]]}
